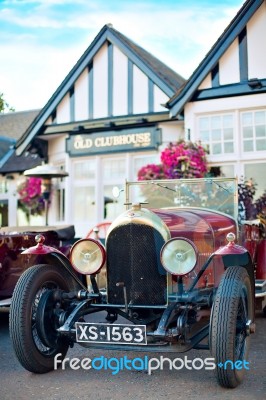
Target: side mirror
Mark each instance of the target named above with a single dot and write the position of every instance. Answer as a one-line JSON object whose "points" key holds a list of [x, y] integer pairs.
{"points": [[116, 191]]}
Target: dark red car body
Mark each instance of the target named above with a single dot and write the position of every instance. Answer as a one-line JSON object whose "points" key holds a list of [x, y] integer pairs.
{"points": [[14, 240], [176, 265]]}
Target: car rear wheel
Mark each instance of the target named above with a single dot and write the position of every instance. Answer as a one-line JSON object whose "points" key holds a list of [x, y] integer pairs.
{"points": [[232, 314], [32, 327]]}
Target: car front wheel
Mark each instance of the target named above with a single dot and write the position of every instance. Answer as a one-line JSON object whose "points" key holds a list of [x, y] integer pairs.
{"points": [[232, 314], [32, 317]]}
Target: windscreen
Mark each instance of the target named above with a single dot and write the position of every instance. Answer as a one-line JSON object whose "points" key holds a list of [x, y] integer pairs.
{"points": [[219, 194]]}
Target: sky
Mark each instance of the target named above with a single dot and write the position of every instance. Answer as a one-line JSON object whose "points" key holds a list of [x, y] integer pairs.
{"points": [[41, 40]]}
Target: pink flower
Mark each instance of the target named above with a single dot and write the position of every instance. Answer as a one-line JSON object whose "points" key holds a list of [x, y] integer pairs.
{"points": [[178, 160]]}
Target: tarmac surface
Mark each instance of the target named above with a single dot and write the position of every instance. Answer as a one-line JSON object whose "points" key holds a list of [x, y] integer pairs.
{"points": [[17, 383]]}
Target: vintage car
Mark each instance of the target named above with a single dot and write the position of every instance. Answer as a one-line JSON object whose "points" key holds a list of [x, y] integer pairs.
{"points": [[13, 240], [170, 269]]}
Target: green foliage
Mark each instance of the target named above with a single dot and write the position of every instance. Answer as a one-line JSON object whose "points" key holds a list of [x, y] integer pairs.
{"points": [[4, 106]]}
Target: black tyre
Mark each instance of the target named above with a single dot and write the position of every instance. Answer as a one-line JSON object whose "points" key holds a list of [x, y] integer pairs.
{"points": [[32, 351], [229, 337]]}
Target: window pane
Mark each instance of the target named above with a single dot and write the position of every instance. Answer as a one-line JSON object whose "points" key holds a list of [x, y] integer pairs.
{"points": [[260, 131], [204, 123], [215, 122], [228, 171], [229, 147], [247, 132], [247, 119], [228, 134], [216, 135], [248, 145], [84, 204], [261, 144], [113, 169], [204, 136], [259, 117], [257, 173], [216, 148], [112, 206], [140, 162], [84, 170], [227, 121]]}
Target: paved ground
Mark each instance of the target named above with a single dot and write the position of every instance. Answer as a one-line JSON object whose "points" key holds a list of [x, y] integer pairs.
{"points": [[16, 383]]}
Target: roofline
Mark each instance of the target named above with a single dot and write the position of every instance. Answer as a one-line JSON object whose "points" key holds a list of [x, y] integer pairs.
{"points": [[106, 33], [218, 49]]}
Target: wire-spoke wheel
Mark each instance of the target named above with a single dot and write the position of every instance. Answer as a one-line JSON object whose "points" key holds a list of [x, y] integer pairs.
{"points": [[32, 320], [232, 314]]}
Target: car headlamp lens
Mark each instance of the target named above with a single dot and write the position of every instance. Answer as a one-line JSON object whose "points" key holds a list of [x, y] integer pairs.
{"points": [[179, 256], [87, 256]]}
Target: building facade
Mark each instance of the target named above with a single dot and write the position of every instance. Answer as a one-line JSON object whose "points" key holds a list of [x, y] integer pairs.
{"points": [[224, 101], [119, 107]]}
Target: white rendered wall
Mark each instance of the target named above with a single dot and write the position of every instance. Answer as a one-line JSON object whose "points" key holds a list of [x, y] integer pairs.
{"points": [[171, 132], [57, 148], [229, 65], [120, 85], [159, 98], [81, 96], [100, 83], [140, 91], [256, 36], [63, 110], [206, 83]]}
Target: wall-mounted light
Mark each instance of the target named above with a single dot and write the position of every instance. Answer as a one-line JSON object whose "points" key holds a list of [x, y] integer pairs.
{"points": [[78, 128], [255, 83]]}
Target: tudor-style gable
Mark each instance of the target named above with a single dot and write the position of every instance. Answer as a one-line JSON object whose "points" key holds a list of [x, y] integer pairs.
{"points": [[114, 78], [235, 65]]}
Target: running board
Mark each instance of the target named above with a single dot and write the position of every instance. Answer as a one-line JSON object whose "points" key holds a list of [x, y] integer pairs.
{"points": [[5, 303], [260, 288]]}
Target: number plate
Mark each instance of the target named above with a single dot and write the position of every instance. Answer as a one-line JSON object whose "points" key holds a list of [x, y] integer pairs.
{"points": [[111, 333]]}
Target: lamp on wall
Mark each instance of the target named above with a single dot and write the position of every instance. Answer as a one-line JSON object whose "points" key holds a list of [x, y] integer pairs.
{"points": [[46, 172], [255, 83]]}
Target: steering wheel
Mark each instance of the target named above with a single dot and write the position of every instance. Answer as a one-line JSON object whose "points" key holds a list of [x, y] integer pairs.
{"points": [[99, 231]]}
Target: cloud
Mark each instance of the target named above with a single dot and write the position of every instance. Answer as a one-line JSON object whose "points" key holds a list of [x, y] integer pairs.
{"points": [[40, 41]]}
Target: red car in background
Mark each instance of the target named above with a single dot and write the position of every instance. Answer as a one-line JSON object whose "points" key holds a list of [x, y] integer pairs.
{"points": [[13, 240]]}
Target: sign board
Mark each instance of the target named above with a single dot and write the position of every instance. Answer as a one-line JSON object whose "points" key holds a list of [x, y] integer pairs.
{"points": [[114, 141]]}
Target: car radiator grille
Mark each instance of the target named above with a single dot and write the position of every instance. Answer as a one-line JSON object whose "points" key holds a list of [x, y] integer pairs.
{"points": [[133, 260]]}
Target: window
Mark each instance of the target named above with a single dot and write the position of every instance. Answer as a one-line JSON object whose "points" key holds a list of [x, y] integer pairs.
{"points": [[227, 171], [84, 204], [114, 174], [84, 190], [254, 131], [59, 195], [141, 161], [216, 133], [256, 171], [114, 169]]}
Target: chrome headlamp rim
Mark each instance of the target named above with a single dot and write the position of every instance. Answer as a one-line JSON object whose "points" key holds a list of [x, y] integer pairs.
{"points": [[97, 247], [191, 247]]}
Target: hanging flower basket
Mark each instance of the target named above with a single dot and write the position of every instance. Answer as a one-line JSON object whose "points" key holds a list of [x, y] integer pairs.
{"points": [[30, 197], [178, 160], [184, 160]]}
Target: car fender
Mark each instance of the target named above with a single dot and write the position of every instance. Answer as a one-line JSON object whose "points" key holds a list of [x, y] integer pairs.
{"points": [[235, 255], [54, 256]]}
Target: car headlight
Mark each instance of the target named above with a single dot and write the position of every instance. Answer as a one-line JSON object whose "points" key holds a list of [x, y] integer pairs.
{"points": [[87, 256], [179, 256]]}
